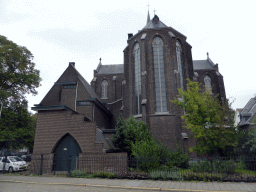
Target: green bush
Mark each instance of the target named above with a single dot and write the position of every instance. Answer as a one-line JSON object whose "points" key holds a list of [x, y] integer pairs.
{"points": [[240, 165], [201, 166], [101, 175], [163, 168], [225, 166], [111, 175], [80, 174], [166, 175], [76, 173]]}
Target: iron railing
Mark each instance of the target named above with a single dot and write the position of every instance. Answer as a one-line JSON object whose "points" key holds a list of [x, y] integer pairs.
{"points": [[207, 168]]}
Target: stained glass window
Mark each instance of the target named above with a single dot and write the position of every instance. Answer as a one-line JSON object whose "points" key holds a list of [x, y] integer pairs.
{"points": [[137, 78], [207, 82], [160, 89], [179, 63], [104, 89]]}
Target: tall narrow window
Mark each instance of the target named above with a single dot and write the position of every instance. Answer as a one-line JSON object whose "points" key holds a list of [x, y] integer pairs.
{"points": [[207, 82], [179, 63], [161, 104], [104, 89], [137, 78]]}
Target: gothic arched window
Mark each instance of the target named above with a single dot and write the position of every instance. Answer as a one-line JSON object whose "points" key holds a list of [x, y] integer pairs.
{"points": [[161, 103], [137, 79], [207, 83], [179, 63], [104, 89]]}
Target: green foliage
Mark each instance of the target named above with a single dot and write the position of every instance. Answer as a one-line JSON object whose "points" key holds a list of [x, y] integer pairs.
{"points": [[246, 145], [134, 137], [166, 175], [17, 71], [136, 131], [17, 127], [80, 174], [18, 77], [129, 132], [111, 176], [120, 136], [154, 156], [101, 174], [225, 166], [216, 165], [207, 120], [201, 166]]}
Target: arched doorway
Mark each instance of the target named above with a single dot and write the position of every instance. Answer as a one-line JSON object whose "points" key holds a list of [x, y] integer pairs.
{"points": [[66, 153]]}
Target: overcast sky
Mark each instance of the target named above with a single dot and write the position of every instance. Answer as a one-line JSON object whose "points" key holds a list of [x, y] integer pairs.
{"points": [[58, 32]]}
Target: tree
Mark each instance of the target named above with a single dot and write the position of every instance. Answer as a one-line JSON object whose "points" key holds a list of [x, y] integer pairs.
{"points": [[207, 120], [17, 127], [18, 77], [119, 138], [128, 132], [246, 141], [134, 137], [17, 71]]}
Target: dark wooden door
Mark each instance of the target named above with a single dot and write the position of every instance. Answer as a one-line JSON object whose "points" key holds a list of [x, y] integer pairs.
{"points": [[65, 153]]}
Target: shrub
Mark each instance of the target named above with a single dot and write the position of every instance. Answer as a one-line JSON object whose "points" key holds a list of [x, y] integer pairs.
{"points": [[76, 173], [111, 175], [201, 166], [225, 166], [101, 174], [166, 175]]}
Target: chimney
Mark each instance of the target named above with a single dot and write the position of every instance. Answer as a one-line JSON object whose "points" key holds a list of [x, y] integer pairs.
{"points": [[72, 63], [130, 35]]}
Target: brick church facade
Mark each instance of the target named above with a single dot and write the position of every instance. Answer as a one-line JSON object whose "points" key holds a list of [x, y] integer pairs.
{"points": [[157, 62]]}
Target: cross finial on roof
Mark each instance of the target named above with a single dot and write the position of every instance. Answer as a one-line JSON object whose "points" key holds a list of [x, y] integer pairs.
{"points": [[148, 6], [154, 12]]}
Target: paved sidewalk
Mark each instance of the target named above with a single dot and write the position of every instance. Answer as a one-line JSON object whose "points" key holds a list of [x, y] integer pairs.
{"points": [[133, 184]]}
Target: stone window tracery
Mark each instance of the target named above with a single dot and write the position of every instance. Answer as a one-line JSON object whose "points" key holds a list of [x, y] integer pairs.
{"points": [[104, 89], [159, 73], [179, 63]]}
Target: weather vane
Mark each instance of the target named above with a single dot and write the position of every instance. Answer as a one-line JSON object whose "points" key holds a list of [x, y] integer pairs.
{"points": [[154, 12]]}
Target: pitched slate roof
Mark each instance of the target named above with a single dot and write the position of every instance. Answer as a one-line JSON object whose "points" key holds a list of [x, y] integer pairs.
{"points": [[248, 112], [203, 65], [101, 139], [110, 69], [155, 23], [86, 85]]}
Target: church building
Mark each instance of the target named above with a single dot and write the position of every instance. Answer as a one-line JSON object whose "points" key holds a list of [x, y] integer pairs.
{"points": [[79, 118]]}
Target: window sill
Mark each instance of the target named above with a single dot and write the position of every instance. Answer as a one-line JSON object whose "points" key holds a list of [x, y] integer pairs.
{"points": [[162, 114], [137, 116], [103, 98]]}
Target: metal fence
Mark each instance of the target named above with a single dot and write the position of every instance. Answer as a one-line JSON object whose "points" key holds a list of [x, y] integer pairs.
{"points": [[207, 168]]}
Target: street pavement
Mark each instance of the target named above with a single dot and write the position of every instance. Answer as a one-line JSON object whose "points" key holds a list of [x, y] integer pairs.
{"points": [[95, 184]]}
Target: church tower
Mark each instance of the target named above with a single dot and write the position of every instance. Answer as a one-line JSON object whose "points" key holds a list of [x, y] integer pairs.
{"points": [[157, 61]]}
